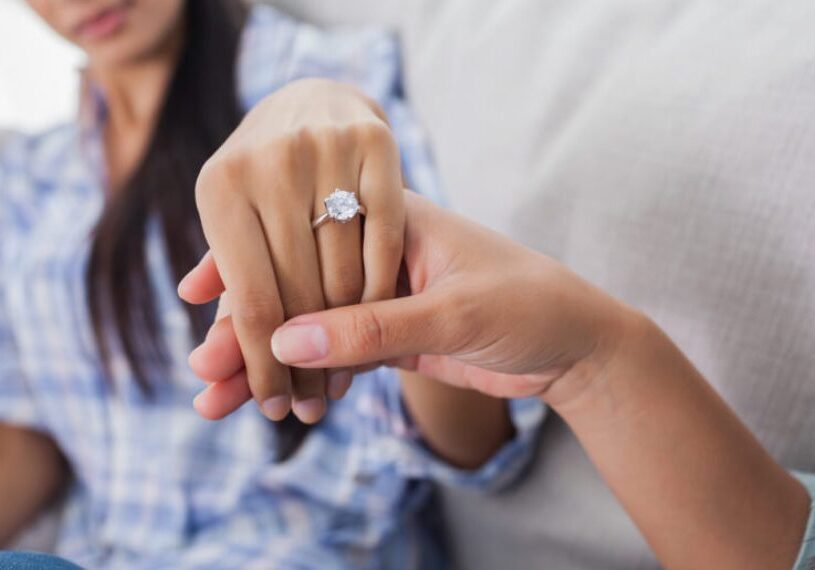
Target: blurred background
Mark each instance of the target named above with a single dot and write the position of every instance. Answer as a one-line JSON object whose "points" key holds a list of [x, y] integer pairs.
{"points": [[38, 84]]}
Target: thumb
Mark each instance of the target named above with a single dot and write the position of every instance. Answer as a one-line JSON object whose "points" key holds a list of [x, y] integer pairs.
{"points": [[362, 334]]}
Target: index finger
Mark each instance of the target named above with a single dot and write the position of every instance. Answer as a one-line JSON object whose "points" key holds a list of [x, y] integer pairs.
{"points": [[239, 249]]}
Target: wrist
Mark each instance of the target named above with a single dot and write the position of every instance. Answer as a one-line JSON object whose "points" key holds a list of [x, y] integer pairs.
{"points": [[669, 447], [321, 100], [624, 336]]}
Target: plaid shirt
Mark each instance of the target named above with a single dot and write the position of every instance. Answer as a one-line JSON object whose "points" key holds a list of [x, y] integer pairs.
{"points": [[156, 486]]}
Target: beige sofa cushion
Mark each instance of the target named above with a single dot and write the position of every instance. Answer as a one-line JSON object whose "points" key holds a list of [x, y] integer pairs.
{"points": [[665, 150]]}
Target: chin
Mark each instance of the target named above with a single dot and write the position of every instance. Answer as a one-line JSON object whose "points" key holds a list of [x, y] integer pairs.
{"points": [[115, 56], [122, 51]]}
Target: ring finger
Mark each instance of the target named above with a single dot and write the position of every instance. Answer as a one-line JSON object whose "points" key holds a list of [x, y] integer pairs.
{"points": [[339, 246]]}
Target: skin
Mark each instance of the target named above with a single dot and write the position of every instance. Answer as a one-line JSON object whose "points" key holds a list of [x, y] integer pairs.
{"points": [[257, 197], [462, 426], [308, 137], [38, 476], [297, 146], [701, 489], [132, 66]]}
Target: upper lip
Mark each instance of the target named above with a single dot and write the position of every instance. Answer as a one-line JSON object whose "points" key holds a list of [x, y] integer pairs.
{"points": [[95, 15]]}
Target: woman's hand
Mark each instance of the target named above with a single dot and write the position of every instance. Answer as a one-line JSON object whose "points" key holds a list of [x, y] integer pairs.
{"points": [[485, 313], [491, 315], [257, 197]]}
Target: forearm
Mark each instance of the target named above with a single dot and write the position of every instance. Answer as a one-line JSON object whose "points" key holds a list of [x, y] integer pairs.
{"points": [[462, 426], [699, 486], [31, 473]]}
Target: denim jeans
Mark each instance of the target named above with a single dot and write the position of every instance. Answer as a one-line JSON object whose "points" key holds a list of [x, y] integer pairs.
{"points": [[33, 561]]}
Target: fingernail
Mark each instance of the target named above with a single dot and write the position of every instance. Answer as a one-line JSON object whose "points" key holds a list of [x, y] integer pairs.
{"points": [[198, 403], [276, 408], [338, 384], [193, 356], [309, 411], [297, 344], [181, 285], [184, 280]]}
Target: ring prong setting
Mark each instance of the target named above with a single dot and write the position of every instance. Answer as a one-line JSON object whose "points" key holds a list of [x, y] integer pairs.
{"points": [[342, 206]]}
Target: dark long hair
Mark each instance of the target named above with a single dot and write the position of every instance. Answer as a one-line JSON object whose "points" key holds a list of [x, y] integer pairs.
{"points": [[200, 109]]}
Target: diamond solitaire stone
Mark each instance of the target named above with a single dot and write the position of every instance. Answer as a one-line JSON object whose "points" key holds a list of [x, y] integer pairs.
{"points": [[342, 205]]}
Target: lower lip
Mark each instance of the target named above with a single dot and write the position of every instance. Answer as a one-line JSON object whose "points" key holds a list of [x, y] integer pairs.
{"points": [[105, 26]]}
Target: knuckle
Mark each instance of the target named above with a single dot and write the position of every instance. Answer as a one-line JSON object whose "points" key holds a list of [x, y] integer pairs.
{"points": [[464, 324], [308, 383], [304, 138], [344, 287], [344, 137], [366, 333], [330, 141], [382, 287], [220, 174], [208, 181], [342, 295], [288, 158], [257, 312], [280, 154], [299, 304], [390, 239], [374, 133]]}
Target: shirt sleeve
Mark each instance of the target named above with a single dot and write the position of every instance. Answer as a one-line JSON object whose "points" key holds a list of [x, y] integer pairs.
{"points": [[277, 49], [400, 444], [17, 405], [418, 164], [806, 557]]}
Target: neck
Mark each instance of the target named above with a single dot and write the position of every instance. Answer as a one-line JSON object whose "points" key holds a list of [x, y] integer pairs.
{"points": [[134, 95], [134, 92]]}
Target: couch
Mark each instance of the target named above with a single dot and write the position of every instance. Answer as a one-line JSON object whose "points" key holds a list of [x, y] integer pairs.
{"points": [[644, 144], [666, 151]]}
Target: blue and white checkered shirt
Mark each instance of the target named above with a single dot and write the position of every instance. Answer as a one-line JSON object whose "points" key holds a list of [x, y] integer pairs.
{"points": [[156, 486]]}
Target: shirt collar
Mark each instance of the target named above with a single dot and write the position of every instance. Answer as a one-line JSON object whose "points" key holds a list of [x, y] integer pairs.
{"points": [[93, 110], [91, 117]]}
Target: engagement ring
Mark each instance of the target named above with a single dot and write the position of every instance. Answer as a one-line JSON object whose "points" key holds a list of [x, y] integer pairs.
{"points": [[340, 206]]}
